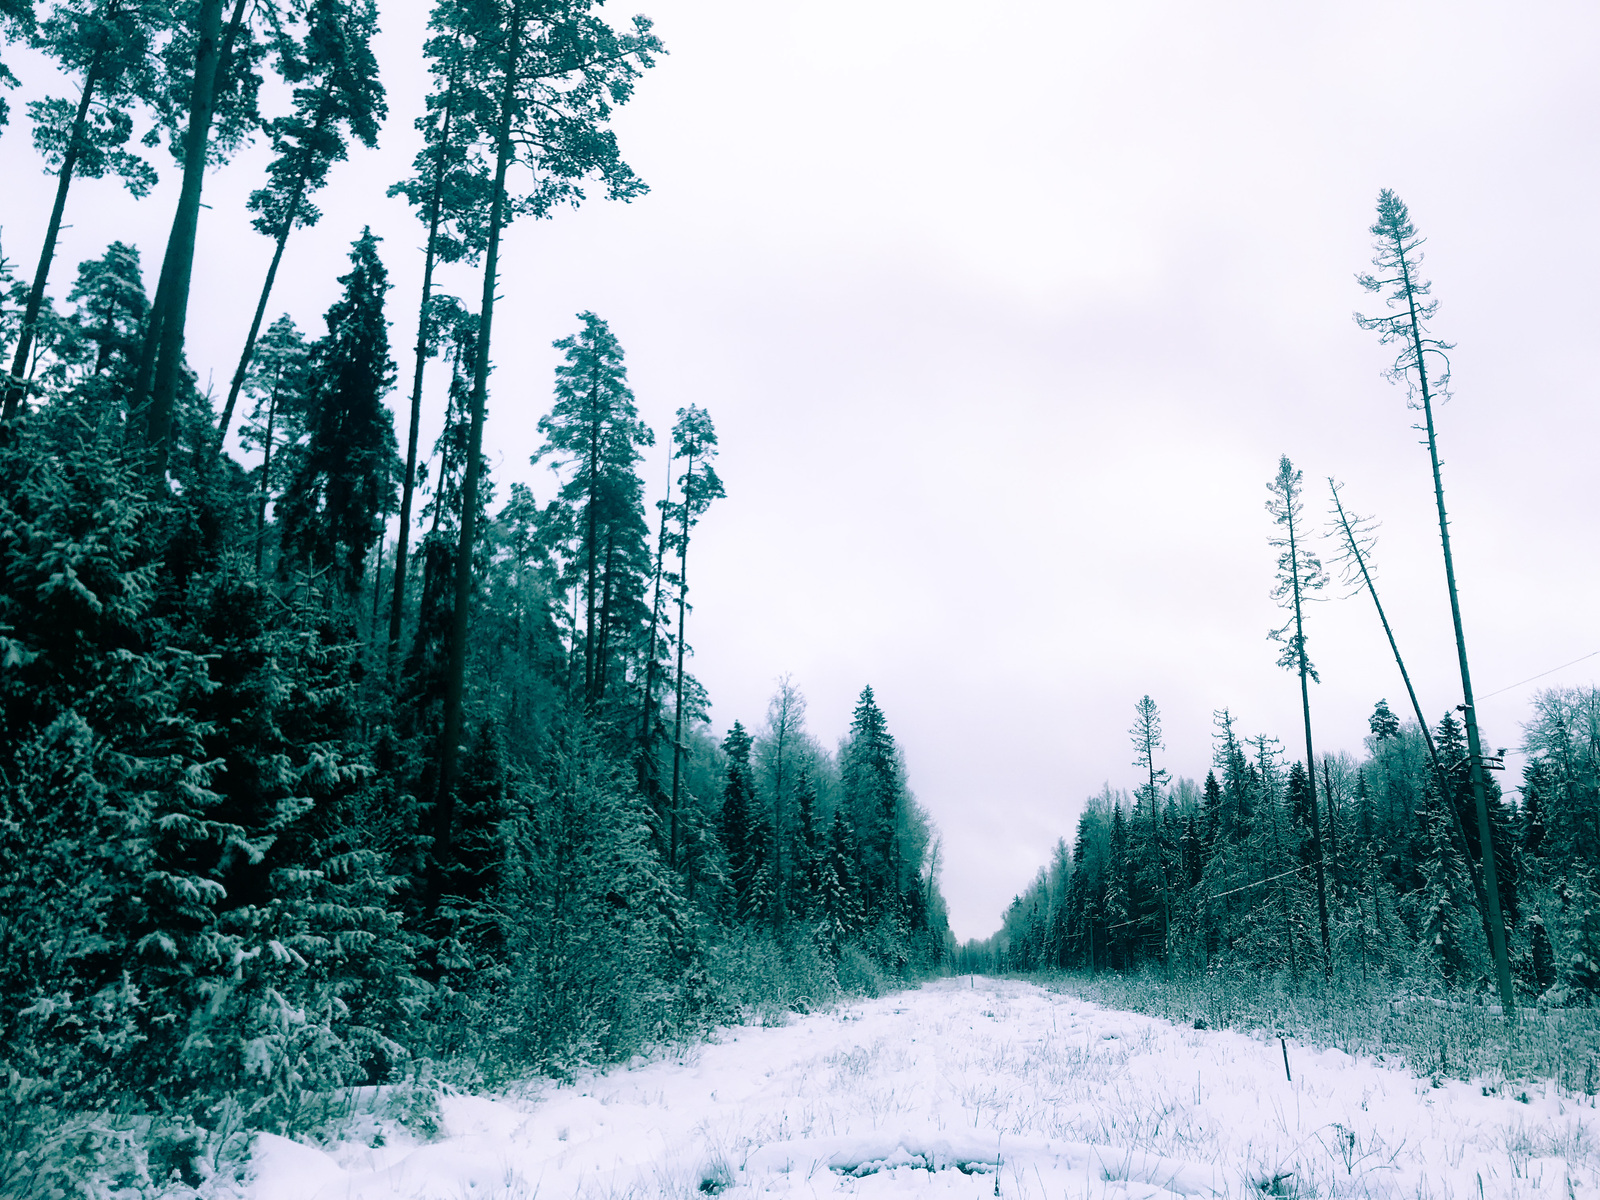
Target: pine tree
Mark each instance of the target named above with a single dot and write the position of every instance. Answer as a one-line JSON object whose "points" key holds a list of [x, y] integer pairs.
{"points": [[1398, 259], [594, 433], [654, 667], [449, 189], [333, 511], [552, 73], [694, 440], [1147, 739], [109, 47], [17, 17], [1383, 723], [218, 66], [337, 91], [1300, 574]]}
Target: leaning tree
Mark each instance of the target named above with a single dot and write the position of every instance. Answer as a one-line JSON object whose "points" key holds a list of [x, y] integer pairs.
{"points": [[1398, 257]]}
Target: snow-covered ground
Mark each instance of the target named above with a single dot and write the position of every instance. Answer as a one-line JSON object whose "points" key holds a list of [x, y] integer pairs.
{"points": [[973, 1088]]}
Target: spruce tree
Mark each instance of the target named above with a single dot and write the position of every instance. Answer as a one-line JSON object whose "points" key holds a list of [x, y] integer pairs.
{"points": [[1119, 904], [111, 307], [738, 837], [1443, 898], [276, 423], [1541, 975], [871, 776], [784, 735], [333, 510], [841, 884], [808, 848], [1212, 812]]}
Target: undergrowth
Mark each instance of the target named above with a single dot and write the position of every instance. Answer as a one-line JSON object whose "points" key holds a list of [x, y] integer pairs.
{"points": [[1435, 1038]]}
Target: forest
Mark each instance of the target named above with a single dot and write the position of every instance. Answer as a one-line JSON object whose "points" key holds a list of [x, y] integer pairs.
{"points": [[1218, 878], [329, 761], [1408, 866], [324, 763]]}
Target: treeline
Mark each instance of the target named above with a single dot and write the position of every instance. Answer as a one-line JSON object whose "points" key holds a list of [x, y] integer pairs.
{"points": [[289, 802], [1217, 877], [1408, 863]]}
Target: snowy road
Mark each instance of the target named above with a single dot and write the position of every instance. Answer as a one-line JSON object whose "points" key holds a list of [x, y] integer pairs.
{"points": [[961, 1090]]}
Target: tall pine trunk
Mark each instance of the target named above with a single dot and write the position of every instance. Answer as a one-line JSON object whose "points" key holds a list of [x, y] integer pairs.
{"points": [[677, 716], [266, 472], [603, 651], [592, 549], [17, 385], [460, 617], [1497, 925], [655, 618], [408, 484], [1311, 756], [249, 350], [156, 384]]}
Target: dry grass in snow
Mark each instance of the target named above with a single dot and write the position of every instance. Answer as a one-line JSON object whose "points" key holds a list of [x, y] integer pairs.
{"points": [[973, 1088]]}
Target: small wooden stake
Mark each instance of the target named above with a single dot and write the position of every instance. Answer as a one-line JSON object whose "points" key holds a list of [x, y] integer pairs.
{"points": [[1285, 1047]]}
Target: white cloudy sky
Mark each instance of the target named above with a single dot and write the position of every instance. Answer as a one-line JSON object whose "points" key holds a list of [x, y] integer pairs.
{"points": [[1005, 313]]}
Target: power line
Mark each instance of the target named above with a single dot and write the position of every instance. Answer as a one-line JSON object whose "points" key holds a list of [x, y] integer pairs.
{"points": [[1261, 882], [1542, 674]]}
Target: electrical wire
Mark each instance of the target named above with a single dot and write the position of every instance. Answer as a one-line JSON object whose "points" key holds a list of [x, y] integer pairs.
{"points": [[1541, 674]]}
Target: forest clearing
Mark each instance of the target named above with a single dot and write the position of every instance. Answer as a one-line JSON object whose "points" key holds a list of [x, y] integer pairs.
{"points": [[440, 758], [970, 1087]]}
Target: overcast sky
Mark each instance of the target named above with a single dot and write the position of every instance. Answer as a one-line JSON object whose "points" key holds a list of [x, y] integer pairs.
{"points": [[1005, 313]]}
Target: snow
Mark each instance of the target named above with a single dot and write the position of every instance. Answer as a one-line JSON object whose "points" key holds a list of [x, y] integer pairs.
{"points": [[971, 1087]]}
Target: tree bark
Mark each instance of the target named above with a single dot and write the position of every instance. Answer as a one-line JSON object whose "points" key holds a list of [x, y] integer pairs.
{"points": [[161, 357], [677, 718], [409, 483], [603, 650], [1497, 925], [1311, 757], [237, 382], [655, 616], [266, 472], [456, 669], [592, 549]]}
